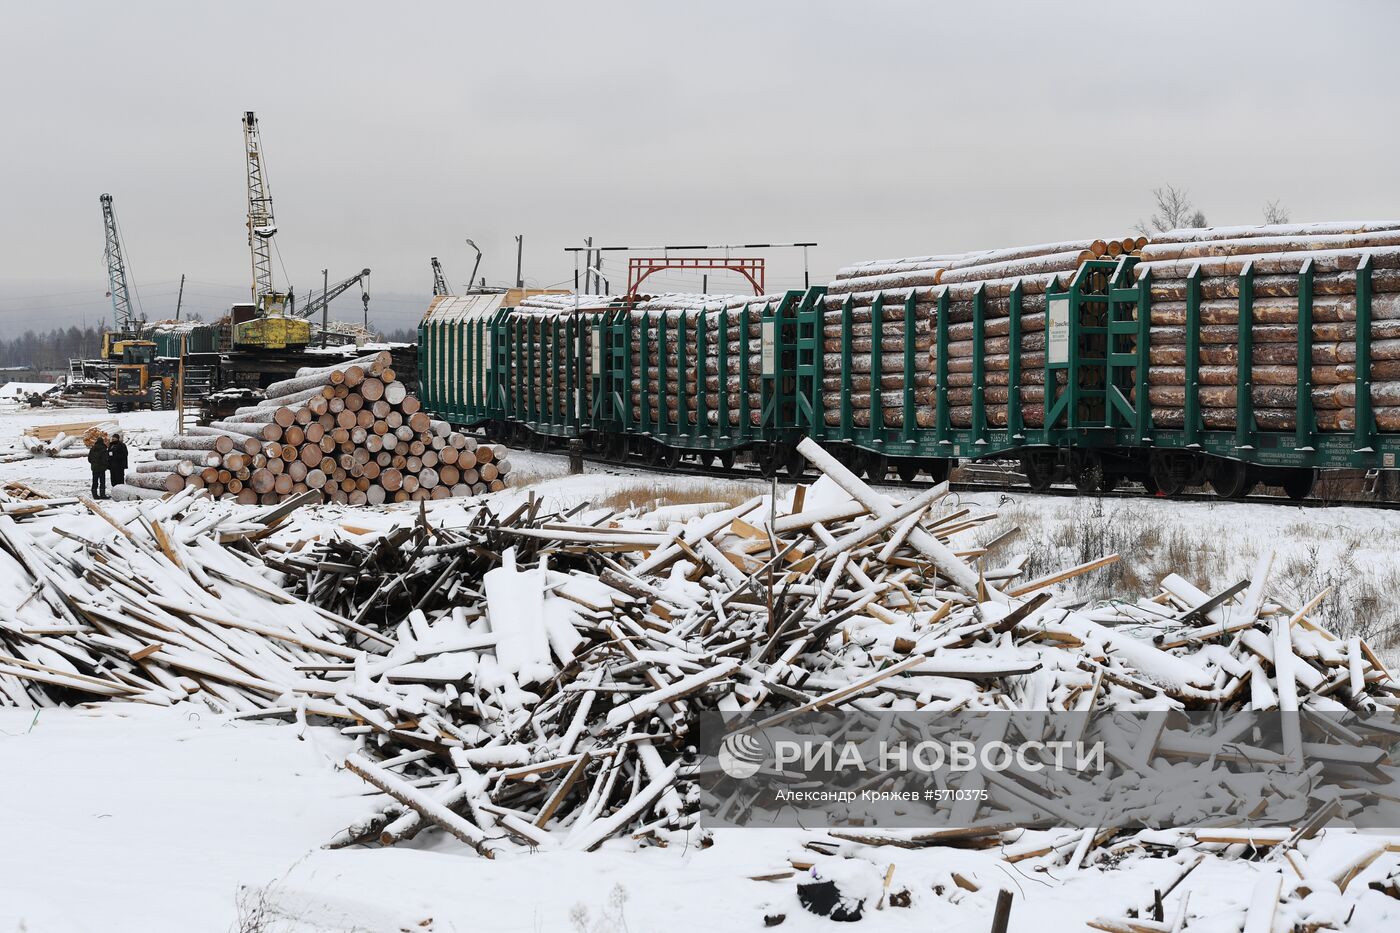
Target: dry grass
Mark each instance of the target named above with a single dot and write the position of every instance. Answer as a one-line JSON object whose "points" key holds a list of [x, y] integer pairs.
{"points": [[659, 495], [1364, 597]]}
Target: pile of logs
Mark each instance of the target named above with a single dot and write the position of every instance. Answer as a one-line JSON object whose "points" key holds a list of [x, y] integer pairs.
{"points": [[526, 679], [59, 440], [351, 431], [927, 279], [1276, 255]]}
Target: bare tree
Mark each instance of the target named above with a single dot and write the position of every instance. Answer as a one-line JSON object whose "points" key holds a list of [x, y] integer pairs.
{"points": [[1174, 212], [1275, 212]]}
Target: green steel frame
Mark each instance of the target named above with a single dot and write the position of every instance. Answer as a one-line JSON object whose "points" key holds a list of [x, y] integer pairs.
{"points": [[1096, 386]]}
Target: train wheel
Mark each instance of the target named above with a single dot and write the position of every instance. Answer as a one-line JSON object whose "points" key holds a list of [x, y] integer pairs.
{"points": [[670, 457], [767, 461], [1229, 478], [1088, 473], [1163, 477], [1298, 484], [908, 470], [1110, 482], [938, 469], [726, 459], [1040, 472], [876, 466], [615, 449], [794, 463]]}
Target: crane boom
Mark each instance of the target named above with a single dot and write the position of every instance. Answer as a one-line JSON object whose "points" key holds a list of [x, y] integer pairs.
{"points": [[319, 302], [440, 286], [122, 318], [261, 223]]}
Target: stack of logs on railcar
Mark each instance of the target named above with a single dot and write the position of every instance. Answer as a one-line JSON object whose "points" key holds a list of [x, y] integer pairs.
{"points": [[542, 337], [723, 317], [959, 276], [1274, 256], [685, 317], [351, 430]]}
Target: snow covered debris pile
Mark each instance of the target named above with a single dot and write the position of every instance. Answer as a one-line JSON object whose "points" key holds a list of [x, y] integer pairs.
{"points": [[524, 679], [351, 430]]}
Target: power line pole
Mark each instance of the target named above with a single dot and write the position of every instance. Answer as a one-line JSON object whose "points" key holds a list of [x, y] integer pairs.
{"points": [[180, 298], [325, 304], [519, 253]]}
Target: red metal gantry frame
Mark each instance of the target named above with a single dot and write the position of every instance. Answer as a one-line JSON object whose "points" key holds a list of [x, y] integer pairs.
{"points": [[638, 268]]}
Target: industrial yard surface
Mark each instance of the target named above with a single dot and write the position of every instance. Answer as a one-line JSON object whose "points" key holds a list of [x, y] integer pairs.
{"points": [[233, 816]]}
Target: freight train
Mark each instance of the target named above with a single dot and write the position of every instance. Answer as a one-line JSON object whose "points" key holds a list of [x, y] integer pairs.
{"points": [[1231, 357]]}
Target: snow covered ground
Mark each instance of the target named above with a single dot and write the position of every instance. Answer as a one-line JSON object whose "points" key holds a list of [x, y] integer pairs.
{"points": [[132, 818], [121, 817]]}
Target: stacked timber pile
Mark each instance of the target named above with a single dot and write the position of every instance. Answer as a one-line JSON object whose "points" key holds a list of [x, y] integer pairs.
{"points": [[690, 309], [351, 431], [959, 276], [683, 314], [524, 679], [1275, 254], [545, 323]]}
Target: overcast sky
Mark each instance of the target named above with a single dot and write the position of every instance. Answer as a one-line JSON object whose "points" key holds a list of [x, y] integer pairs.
{"points": [[394, 131]]}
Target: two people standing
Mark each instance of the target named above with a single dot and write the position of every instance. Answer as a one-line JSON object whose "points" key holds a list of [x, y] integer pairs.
{"points": [[104, 458]]}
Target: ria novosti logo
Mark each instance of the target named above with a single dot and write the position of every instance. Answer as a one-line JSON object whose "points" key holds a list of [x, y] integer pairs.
{"points": [[742, 754]]}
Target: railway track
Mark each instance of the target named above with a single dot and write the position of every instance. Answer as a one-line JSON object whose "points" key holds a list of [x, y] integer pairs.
{"points": [[750, 472]]}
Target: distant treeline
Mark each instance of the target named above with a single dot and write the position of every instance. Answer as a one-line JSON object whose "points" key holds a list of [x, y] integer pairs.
{"points": [[400, 335], [52, 349]]}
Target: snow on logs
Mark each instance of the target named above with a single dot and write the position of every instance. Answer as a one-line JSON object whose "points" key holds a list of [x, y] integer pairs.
{"points": [[1274, 256], [352, 431], [959, 277], [658, 386]]}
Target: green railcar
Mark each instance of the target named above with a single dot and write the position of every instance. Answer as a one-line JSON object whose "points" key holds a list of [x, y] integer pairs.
{"points": [[456, 348], [1098, 425], [196, 338]]}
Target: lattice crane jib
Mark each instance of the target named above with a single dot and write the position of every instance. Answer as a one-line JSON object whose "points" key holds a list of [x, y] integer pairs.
{"points": [[122, 317], [261, 223], [320, 300], [440, 286]]}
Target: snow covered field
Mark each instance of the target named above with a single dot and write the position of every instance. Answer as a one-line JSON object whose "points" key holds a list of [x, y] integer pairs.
{"points": [[124, 817], [132, 818]]}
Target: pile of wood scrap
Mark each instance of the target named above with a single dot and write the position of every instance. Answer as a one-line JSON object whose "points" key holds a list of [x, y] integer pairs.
{"points": [[852, 297], [525, 679], [351, 431], [1270, 258], [59, 440]]}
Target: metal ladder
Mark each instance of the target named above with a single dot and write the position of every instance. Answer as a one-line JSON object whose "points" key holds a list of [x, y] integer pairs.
{"points": [[193, 384]]}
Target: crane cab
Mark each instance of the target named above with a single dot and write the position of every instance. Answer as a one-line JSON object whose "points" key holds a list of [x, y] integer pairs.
{"points": [[270, 328]]}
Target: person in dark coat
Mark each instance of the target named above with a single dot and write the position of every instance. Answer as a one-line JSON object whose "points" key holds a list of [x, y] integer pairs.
{"points": [[97, 459], [116, 459]]}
